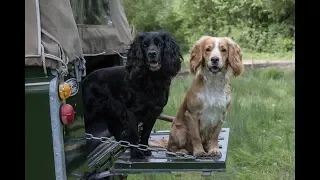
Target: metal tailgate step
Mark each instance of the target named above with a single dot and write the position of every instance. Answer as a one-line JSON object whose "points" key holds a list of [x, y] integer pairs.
{"points": [[162, 163]]}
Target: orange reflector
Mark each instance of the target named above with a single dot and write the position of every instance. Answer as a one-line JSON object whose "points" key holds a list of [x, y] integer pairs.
{"points": [[64, 90]]}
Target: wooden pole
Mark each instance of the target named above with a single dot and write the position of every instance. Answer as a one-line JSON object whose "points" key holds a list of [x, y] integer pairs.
{"points": [[166, 118]]}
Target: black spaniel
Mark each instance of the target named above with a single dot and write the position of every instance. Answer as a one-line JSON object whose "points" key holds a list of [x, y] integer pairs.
{"points": [[124, 96]]}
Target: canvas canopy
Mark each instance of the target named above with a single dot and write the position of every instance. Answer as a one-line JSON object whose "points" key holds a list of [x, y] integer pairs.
{"points": [[64, 30]]}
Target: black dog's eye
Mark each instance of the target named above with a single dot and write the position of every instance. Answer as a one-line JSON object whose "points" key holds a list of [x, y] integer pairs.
{"points": [[160, 44], [145, 45]]}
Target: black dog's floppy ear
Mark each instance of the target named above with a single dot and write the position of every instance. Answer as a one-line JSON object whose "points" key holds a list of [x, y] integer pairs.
{"points": [[171, 54], [135, 56]]}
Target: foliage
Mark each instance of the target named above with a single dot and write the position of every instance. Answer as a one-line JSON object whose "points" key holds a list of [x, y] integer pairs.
{"points": [[259, 25], [271, 74]]}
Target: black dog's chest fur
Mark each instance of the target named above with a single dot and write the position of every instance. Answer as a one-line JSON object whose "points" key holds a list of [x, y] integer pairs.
{"points": [[147, 97]]}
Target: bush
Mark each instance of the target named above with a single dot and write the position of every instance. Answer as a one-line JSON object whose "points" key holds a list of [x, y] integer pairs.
{"points": [[271, 73]]}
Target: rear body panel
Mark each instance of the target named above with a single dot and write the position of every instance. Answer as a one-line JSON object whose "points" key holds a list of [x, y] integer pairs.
{"points": [[39, 155]]}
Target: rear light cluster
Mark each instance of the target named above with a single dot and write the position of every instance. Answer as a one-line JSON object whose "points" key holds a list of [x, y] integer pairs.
{"points": [[66, 110], [67, 113]]}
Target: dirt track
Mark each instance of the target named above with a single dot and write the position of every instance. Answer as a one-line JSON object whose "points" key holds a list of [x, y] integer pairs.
{"points": [[260, 64], [264, 63]]}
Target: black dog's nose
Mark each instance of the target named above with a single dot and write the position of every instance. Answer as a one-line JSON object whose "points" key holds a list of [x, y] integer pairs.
{"points": [[152, 54], [214, 59]]}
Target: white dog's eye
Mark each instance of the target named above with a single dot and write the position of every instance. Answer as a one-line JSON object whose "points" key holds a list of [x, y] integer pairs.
{"points": [[223, 50]]}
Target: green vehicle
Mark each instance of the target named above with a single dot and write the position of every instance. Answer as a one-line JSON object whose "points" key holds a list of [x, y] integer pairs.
{"points": [[64, 41]]}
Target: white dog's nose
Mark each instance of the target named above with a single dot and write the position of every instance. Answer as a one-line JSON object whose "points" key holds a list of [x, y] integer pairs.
{"points": [[214, 60]]}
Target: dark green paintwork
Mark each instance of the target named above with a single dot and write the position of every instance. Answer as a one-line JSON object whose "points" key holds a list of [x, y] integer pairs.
{"points": [[34, 72], [39, 161]]}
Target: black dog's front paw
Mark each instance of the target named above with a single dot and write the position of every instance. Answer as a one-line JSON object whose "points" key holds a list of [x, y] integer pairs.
{"points": [[124, 135], [136, 153], [147, 153]]}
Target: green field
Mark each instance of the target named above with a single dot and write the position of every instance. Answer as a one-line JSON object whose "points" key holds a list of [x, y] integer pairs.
{"points": [[261, 122]]}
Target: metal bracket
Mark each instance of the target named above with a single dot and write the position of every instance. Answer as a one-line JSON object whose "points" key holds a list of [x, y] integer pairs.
{"points": [[57, 132], [80, 68], [206, 173]]}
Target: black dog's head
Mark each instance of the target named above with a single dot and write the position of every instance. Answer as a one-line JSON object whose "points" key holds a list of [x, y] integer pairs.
{"points": [[152, 48], [155, 52]]}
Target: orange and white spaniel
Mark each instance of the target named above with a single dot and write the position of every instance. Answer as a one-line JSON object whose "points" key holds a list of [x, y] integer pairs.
{"points": [[198, 122]]}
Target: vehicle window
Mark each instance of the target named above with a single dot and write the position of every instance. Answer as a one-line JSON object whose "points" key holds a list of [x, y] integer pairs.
{"points": [[91, 12]]}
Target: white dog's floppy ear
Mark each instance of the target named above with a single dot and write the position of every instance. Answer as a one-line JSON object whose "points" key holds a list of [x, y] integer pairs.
{"points": [[235, 57], [196, 56]]}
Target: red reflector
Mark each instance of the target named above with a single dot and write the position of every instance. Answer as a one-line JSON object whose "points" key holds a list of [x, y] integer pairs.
{"points": [[67, 113]]}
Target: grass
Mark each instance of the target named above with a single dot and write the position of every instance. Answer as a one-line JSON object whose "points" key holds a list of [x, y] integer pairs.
{"points": [[261, 122]]}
